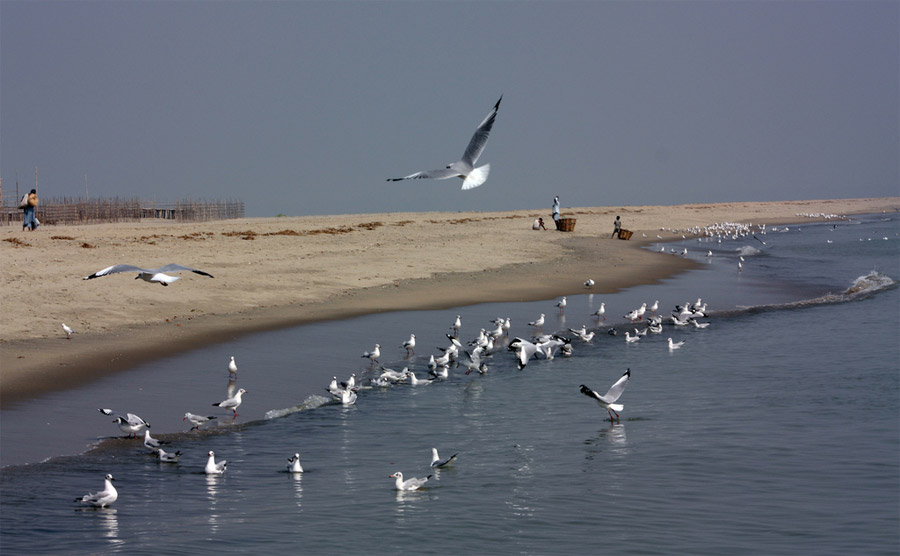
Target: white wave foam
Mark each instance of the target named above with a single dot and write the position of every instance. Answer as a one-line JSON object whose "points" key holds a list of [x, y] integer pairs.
{"points": [[871, 282], [748, 251], [311, 402]]}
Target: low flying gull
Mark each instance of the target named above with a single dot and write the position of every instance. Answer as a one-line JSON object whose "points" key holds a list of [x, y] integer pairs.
{"points": [[465, 168], [168, 457], [607, 401], [232, 366], [294, 465], [105, 497], [409, 484], [197, 420], [437, 462], [232, 403], [213, 467], [68, 330], [129, 423], [149, 274]]}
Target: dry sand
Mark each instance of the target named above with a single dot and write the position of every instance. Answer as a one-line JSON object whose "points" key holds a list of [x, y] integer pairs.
{"points": [[276, 272]]}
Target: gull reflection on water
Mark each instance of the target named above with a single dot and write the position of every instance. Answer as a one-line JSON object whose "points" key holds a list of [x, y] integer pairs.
{"points": [[297, 479], [212, 491], [110, 522]]}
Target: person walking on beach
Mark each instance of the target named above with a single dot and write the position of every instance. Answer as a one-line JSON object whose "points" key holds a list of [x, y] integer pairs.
{"points": [[556, 209], [28, 204], [617, 226]]}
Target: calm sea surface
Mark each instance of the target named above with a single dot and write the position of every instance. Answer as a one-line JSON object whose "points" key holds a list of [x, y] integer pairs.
{"points": [[776, 430]]}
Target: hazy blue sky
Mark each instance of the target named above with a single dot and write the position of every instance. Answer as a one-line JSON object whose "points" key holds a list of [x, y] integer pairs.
{"points": [[307, 107]]}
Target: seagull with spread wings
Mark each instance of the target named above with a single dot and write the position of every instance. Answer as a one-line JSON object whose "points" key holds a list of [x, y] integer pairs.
{"points": [[157, 275]]}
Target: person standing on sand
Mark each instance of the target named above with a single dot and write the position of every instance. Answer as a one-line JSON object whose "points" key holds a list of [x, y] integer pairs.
{"points": [[556, 209], [29, 203], [617, 226]]}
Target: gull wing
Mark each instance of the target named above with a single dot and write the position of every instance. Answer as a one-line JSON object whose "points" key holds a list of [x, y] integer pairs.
{"points": [[479, 139], [616, 389], [117, 268], [440, 174], [179, 268]]}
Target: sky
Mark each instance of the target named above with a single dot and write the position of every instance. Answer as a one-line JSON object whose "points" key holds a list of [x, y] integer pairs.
{"points": [[303, 108]]}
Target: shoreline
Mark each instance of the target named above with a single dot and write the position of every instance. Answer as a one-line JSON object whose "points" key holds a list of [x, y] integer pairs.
{"points": [[387, 262]]}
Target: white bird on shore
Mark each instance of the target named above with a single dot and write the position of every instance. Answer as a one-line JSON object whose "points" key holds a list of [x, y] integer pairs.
{"points": [[149, 274], [68, 330], [410, 344], [457, 324], [105, 497], [675, 345], [130, 423], [465, 168], [374, 354], [740, 266], [168, 457], [294, 465], [655, 306], [589, 283], [562, 303], [606, 401], [232, 366], [601, 311], [232, 403], [537, 323], [409, 484], [196, 420], [213, 467], [437, 462], [150, 442]]}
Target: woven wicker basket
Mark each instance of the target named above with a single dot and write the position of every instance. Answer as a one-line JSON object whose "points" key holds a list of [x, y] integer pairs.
{"points": [[625, 234], [565, 224]]}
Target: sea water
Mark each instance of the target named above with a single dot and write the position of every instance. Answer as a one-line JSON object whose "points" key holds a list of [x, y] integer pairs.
{"points": [[776, 430]]}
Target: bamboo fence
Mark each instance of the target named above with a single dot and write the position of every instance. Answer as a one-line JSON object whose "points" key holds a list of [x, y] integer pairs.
{"points": [[77, 210]]}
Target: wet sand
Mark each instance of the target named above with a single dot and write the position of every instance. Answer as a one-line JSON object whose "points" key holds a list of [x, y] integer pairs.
{"points": [[277, 272]]}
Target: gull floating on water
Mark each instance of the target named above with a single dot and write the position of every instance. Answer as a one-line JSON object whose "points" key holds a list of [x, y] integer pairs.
{"points": [[196, 420], [68, 330], [130, 423], [294, 465], [606, 401], [105, 497], [437, 462], [232, 403], [213, 467], [168, 457], [409, 484], [675, 345], [465, 168], [631, 339], [149, 274]]}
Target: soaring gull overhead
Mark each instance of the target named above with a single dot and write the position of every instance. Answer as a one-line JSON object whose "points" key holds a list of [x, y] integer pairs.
{"points": [[149, 274], [465, 168]]}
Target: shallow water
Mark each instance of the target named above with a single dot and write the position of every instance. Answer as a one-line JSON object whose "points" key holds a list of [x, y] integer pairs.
{"points": [[776, 430]]}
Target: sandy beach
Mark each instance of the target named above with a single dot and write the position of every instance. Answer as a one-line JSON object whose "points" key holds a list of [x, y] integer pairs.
{"points": [[276, 272]]}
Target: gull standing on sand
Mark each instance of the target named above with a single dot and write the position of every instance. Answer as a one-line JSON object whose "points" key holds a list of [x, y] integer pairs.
{"points": [[589, 283], [294, 465], [68, 330], [606, 401], [105, 497], [437, 462], [149, 274], [213, 467], [465, 168], [197, 420], [232, 403], [409, 484], [130, 423]]}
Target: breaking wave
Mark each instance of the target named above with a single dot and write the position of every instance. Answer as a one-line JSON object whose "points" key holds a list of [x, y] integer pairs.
{"points": [[864, 286]]}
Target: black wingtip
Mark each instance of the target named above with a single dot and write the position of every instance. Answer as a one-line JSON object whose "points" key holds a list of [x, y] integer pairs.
{"points": [[628, 372], [497, 106]]}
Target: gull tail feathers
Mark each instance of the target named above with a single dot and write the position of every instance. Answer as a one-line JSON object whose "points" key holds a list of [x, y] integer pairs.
{"points": [[476, 177]]}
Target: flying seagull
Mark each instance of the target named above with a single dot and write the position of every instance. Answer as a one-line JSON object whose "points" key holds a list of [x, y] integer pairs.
{"points": [[611, 396], [472, 177], [149, 274]]}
